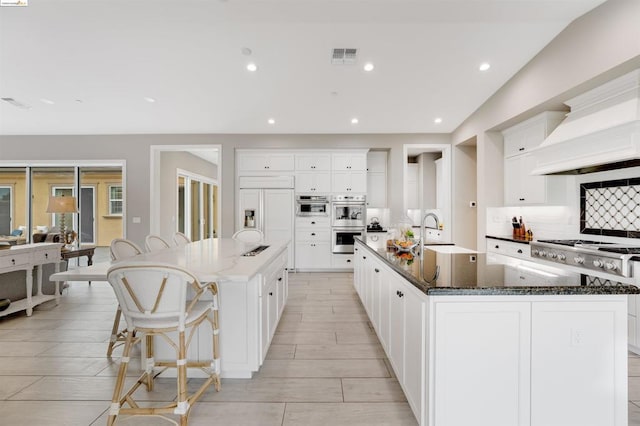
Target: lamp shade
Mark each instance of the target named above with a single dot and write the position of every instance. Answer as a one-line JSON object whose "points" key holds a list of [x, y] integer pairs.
{"points": [[62, 205]]}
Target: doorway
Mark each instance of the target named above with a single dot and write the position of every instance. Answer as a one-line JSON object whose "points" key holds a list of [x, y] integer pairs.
{"points": [[185, 190]]}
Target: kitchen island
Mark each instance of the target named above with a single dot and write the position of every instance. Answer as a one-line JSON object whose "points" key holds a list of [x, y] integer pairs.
{"points": [[252, 294], [472, 345]]}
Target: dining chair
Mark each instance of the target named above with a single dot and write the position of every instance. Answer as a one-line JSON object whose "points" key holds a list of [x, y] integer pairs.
{"points": [[163, 300], [180, 239], [120, 249], [249, 235], [155, 243]]}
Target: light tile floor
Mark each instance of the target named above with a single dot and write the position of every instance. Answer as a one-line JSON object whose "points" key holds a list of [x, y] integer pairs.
{"points": [[325, 366]]}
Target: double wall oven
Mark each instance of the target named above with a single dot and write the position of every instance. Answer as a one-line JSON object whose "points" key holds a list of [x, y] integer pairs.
{"points": [[348, 220]]}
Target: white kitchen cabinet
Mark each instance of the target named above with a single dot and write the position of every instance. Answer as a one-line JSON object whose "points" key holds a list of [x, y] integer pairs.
{"points": [[350, 161], [349, 182], [569, 340], [529, 134], [264, 161], [313, 161], [342, 261], [520, 187], [313, 182], [459, 376], [313, 243], [508, 248], [273, 297], [377, 179], [413, 188]]}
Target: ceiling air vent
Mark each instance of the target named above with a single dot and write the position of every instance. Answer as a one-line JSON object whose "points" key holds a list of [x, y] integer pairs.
{"points": [[16, 103], [344, 56]]}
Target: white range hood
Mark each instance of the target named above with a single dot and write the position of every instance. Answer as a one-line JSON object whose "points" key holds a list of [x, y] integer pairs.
{"points": [[602, 131]]}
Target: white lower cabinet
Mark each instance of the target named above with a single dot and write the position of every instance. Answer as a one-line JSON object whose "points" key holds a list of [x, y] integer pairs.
{"points": [[492, 360]]}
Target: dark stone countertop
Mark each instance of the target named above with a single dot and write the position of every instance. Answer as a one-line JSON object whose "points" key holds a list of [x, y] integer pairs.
{"points": [[509, 238], [477, 274]]}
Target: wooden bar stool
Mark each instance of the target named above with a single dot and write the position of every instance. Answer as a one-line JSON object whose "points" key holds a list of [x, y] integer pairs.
{"points": [[153, 299]]}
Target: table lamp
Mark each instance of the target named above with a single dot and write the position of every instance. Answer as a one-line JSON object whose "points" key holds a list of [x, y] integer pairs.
{"points": [[62, 205]]}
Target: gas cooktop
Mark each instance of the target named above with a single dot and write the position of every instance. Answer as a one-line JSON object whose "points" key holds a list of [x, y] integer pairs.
{"points": [[610, 258]]}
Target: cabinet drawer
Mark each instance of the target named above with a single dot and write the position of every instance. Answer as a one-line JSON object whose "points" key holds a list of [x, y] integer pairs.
{"points": [[16, 260], [508, 248], [342, 261], [46, 256], [313, 235], [314, 222]]}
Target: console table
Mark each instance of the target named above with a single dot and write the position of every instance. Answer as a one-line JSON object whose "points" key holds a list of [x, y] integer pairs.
{"points": [[26, 257], [67, 254]]}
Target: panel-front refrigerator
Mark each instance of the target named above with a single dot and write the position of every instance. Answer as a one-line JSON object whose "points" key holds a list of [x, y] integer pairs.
{"points": [[267, 204]]}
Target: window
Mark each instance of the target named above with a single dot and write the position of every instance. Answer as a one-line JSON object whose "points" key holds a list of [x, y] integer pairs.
{"points": [[115, 200]]}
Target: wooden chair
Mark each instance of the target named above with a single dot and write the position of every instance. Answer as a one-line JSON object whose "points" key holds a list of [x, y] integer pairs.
{"points": [[249, 235], [153, 298], [180, 239], [155, 243], [120, 249]]}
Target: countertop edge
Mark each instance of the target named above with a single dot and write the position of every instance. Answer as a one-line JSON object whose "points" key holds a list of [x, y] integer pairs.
{"points": [[510, 239], [505, 291]]}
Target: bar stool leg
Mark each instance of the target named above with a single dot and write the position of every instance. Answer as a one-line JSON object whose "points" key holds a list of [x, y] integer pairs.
{"points": [[122, 374], [183, 403], [150, 362], [114, 332]]}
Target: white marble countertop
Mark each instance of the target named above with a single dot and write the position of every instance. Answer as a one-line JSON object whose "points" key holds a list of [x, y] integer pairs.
{"points": [[214, 259]]}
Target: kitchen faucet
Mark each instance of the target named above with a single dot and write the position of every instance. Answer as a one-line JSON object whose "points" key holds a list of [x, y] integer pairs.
{"points": [[422, 239]]}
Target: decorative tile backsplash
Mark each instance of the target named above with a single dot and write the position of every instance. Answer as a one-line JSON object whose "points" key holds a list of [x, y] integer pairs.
{"points": [[611, 208]]}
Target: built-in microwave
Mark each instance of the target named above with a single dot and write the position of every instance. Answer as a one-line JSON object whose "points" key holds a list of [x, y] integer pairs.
{"points": [[312, 205]]}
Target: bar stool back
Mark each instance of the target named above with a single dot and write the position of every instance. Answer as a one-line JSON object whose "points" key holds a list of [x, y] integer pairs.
{"points": [[153, 298]]}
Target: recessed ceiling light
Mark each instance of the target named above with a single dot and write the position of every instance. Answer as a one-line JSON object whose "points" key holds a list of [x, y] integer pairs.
{"points": [[368, 66], [79, 101], [354, 121], [47, 101], [484, 66], [252, 67], [246, 51], [271, 121], [150, 100], [438, 120]]}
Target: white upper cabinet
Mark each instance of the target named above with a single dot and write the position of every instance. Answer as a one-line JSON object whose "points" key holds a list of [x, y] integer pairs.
{"points": [[313, 161], [377, 179], [265, 161], [520, 186], [314, 182], [529, 134], [350, 161], [349, 182]]}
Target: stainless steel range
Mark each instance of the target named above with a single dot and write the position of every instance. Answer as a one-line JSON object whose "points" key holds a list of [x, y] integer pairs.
{"points": [[611, 258]]}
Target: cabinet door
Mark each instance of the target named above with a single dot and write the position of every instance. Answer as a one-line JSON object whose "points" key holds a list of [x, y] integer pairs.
{"points": [[264, 322], [414, 351], [313, 255], [313, 161], [377, 162], [520, 187], [305, 182], [278, 216], [280, 162], [349, 161], [374, 311], [383, 329], [253, 162], [376, 190], [340, 181], [396, 326], [272, 300], [358, 182]]}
